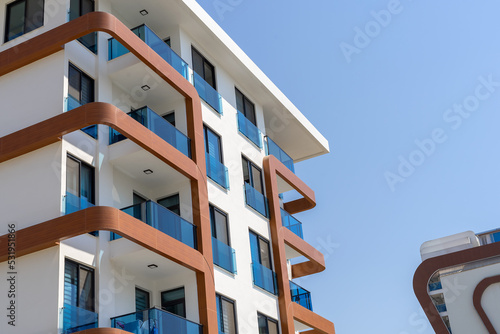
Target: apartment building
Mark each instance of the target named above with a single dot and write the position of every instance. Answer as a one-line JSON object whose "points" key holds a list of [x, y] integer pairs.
{"points": [[155, 154], [458, 283]]}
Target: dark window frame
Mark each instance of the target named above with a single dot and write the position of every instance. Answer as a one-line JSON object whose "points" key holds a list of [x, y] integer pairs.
{"points": [[148, 301], [249, 165], [206, 129], [205, 62], [268, 319], [244, 110], [82, 76], [212, 209], [221, 297], [178, 205], [166, 115], [184, 299], [26, 20], [92, 168], [91, 270], [261, 238]]}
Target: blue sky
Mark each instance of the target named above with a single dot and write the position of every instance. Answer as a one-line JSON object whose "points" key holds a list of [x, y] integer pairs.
{"points": [[405, 91]]}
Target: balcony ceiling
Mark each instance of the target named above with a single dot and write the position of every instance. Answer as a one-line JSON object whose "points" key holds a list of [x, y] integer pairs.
{"points": [[135, 259], [288, 127], [132, 160], [129, 74]]}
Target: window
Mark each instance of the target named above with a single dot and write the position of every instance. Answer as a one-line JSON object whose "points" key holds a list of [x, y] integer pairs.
{"points": [[252, 175], [79, 8], [81, 86], [267, 325], [212, 144], [218, 220], [141, 299], [80, 180], [172, 203], [167, 41], [203, 68], [245, 106], [81, 91], [260, 251], [174, 301], [170, 117], [79, 285], [23, 16], [226, 315]]}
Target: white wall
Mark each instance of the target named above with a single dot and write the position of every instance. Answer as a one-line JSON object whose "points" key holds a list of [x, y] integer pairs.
{"points": [[458, 291]]}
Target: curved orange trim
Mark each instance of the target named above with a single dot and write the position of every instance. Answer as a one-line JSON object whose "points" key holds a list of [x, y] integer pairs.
{"points": [[476, 299], [53, 41], [102, 218], [50, 131], [311, 319], [103, 331], [428, 267], [281, 235]]}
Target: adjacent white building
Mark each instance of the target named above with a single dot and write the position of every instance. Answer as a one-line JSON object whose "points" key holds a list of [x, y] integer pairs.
{"points": [[169, 219], [458, 282]]}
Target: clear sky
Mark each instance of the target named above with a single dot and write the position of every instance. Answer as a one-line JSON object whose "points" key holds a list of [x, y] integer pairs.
{"points": [[408, 95]]}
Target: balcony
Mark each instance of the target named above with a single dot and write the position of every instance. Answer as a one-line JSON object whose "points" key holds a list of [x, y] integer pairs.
{"points": [[115, 49], [155, 321], [207, 93], [163, 220], [217, 171], [435, 286], [273, 149], [249, 130], [73, 203], [441, 308], [256, 200], [77, 319], [72, 103], [159, 126], [224, 256], [264, 278], [301, 296], [291, 223]]}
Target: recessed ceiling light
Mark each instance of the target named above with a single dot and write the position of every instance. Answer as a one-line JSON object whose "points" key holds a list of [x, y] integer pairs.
{"points": [[148, 171], [144, 12], [146, 87], [152, 266]]}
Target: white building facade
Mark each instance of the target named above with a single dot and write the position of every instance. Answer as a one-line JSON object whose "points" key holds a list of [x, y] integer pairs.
{"points": [[458, 282], [156, 153]]}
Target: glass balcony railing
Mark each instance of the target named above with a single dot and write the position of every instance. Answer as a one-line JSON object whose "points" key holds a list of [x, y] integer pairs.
{"points": [[256, 200], [159, 126], [435, 286], [73, 203], [164, 220], [441, 308], [224, 256], [301, 296], [273, 149], [207, 93], [155, 321], [291, 223], [77, 319], [217, 171], [72, 103], [264, 278], [116, 49], [249, 130]]}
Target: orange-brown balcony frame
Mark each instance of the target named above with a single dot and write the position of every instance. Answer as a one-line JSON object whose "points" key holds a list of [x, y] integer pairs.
{"points": [[49, 233]]}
